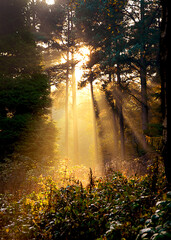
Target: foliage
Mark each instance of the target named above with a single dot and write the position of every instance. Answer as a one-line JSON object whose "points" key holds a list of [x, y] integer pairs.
{"points": [[21, 99], [24, 90], [18, 52], [123, 37], [115, 207], [158, 227], [34, 154]]}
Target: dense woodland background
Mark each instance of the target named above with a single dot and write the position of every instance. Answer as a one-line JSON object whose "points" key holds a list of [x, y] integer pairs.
{"points": [[127, 76]]}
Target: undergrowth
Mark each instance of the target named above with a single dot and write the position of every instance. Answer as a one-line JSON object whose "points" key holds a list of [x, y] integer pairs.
{"points": [[113, 207]]}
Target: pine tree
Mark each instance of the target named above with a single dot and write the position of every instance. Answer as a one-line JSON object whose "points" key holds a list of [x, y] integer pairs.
{"points": [[24, 91], [100, 26]]}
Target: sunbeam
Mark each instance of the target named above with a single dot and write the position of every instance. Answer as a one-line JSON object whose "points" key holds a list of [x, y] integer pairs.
{"points": [[84, 120]]}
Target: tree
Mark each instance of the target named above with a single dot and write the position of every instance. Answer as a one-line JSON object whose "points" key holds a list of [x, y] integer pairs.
{"points": [[61, 36], [24, 89], [164, 70], [100, 28], [143, 41], [125, 43], [21, 101], [18, 52]]}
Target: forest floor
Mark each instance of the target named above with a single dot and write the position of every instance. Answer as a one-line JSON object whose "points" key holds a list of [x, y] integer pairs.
{"points": [[113, 207]]}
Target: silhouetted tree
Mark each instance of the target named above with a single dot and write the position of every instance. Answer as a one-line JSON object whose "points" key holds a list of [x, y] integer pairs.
{"points": [[164, 67]]}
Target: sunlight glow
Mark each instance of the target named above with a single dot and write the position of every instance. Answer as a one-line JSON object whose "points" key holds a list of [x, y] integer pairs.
{"points": [[50, 2], [82, 56], [84, 115]]}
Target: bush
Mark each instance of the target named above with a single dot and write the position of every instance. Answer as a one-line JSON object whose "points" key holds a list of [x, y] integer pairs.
{"points": [[113, 208], [158, 227]]}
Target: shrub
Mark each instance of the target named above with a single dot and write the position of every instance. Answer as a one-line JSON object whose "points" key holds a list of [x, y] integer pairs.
{"points": [[116, 207], [158, 226]]}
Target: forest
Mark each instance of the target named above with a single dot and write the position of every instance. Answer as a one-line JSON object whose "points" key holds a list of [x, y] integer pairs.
{"points": [[84, 120]]}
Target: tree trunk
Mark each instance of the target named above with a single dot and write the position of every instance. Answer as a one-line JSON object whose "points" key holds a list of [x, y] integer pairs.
{"points": [[164, 69], [67, 89], [144, 106], [111, 101], [120, 114], [66, 109], [74, 106], [94, 121], [143, 73], [74, 95]]}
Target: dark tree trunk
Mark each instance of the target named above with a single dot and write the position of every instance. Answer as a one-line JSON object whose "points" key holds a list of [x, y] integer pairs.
{"points": [[100, 134], [144, 105], [120, 113], [111, 101], [94, 121], [164, 68], [143, 72]]}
